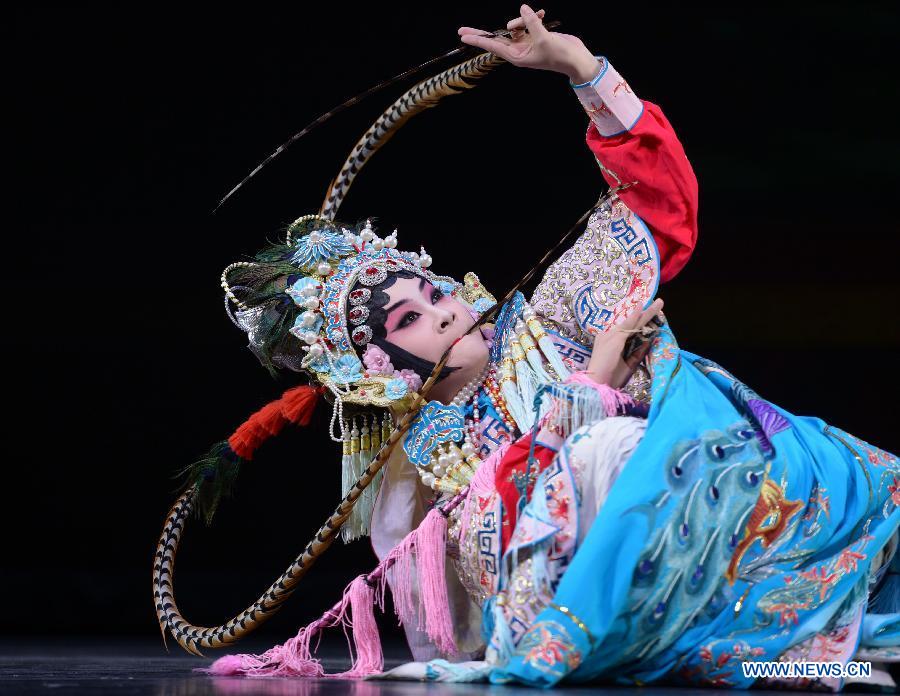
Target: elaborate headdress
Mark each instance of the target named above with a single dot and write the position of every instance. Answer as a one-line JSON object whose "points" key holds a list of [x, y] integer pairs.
{"points": [[325, 275], [306, 305], [302, 304]]}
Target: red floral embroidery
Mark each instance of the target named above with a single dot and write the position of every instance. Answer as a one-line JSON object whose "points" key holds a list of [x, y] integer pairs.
{"points": [[817, 502], [600, 109], [825, 646], [895, 491], [552, 651], [875, 456], [557, 504], [622, 85], [821, 576], [787, 611], [847, 560], [710, 670]]}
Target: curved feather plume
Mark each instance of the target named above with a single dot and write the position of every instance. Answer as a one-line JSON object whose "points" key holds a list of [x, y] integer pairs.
{"points": [[424, 95], [318, 121]]}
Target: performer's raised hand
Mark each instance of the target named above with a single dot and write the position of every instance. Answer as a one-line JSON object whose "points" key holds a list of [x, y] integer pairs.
{"points": [[531, 45], [608, 365]]}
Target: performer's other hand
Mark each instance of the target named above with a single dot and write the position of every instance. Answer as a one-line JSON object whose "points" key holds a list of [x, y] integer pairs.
{"points": [[608, 365], [537, 48]]}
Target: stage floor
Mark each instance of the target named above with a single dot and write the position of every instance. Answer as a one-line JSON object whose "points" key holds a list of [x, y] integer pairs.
{"points": [[128, 666]]}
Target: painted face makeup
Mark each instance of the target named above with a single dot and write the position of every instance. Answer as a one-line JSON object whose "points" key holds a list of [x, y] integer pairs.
{"points": [[425, 322]]}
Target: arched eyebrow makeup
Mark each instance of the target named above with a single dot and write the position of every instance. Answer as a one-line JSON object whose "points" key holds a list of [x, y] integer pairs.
{"points": [[399, 304], [394, 306]]}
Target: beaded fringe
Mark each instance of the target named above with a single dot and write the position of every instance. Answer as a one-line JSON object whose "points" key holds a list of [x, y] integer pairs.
{"points": [[359, 447]]}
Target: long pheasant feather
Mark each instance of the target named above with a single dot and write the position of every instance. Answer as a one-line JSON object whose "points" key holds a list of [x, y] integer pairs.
{"points": [[354, 100]]}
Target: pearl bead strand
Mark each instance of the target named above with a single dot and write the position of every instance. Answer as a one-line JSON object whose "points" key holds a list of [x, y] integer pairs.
{"points": [[227, 288], [468, 391], [452, 466]]}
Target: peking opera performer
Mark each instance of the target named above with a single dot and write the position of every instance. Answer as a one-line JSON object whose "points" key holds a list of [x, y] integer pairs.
{"points": [[557, 492]]}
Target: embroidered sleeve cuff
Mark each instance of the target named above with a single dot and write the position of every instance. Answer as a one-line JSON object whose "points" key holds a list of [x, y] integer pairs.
{"points": [[609, 101]]}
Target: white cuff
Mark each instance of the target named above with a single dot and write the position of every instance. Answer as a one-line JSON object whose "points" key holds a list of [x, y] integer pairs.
{"points": [[609, 101]]}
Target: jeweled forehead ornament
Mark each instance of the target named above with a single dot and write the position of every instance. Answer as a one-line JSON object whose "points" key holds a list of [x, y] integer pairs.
{"points": [[338, 262], [339, 267]]}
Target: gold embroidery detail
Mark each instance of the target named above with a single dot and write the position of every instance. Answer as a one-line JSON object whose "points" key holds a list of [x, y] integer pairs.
{"points": [[473, 290], [768, 520], [575, 620]]}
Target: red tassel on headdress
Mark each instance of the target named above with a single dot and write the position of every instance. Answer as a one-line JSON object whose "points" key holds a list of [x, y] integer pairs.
{"points": [[295, 406]]}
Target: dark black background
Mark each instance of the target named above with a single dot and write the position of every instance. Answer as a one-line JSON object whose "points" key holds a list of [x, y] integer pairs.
{"points": [[132, 121]]}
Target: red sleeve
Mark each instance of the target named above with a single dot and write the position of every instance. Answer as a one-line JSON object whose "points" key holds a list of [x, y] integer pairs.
{"points": [[665, 197], [513, 466]]}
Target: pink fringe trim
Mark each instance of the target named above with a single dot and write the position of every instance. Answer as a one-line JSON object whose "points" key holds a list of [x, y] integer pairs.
{"points": [[431, 555], [291, 659], [400, 559], [369, 656], [422, 554], [614, 401], [294, 658]]}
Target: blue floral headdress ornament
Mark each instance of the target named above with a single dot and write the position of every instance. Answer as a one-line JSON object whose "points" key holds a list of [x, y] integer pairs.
{"points": [[335, 269], [312, 315]]}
